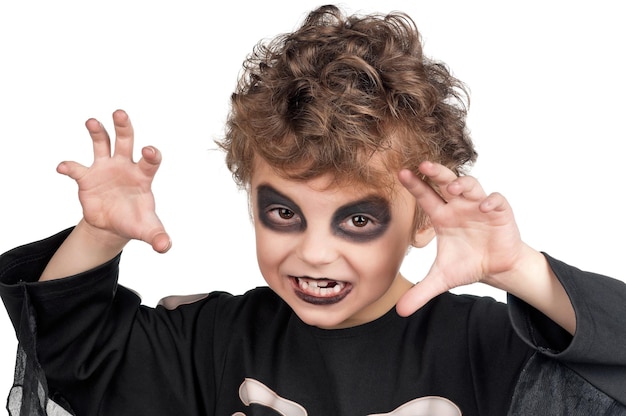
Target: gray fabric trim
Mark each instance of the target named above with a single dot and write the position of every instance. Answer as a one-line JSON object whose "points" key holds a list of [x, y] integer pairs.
{"points": [[547, 387], [29, 395]]}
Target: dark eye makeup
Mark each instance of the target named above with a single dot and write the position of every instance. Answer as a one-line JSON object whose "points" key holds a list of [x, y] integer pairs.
{"points": [[363, 220], [278, 212], [360, 221]]}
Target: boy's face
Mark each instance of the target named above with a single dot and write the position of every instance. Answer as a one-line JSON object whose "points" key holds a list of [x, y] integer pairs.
{"points": [[333, 253]]}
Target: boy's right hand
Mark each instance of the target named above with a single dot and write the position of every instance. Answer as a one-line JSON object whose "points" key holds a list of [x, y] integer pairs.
{"points": [[115, 192]]}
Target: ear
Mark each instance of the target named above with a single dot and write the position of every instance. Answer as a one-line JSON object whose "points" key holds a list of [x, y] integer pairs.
{"points": [[423, 236]]}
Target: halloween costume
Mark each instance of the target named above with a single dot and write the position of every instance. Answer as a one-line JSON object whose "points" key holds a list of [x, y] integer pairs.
{"points": [[103, 353]]}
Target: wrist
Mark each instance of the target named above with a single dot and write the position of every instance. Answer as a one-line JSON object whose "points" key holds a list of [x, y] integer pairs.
{"points": [[85, 248], [526, 266], [99, 240], [532, 280]]}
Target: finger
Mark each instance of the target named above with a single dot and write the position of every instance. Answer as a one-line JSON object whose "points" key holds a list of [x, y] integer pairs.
{"points": [[124, 134], [161, 243], [150, 161], [438, 176], [99, 138], [468, 187], [158, 237], [494, 202], [72, 169], [437, 173], [424, 194], [420, 294]]}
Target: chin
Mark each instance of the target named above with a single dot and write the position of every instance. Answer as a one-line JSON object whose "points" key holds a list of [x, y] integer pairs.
{"points": [[322, 316], [323, 322]]}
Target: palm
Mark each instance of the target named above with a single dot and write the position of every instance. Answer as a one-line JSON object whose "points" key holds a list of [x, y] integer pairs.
{"points": [[115, 192], [477, 236], [471, 244]]}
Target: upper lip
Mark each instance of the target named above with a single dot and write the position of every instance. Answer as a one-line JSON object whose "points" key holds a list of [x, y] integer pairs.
{"points": [[319, 279], [314, 278]]}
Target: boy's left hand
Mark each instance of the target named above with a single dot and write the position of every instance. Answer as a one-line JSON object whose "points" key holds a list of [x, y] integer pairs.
{"points": [[477, 237]]}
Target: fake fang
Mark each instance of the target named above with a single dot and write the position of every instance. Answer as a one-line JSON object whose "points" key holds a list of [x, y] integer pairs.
{"points": [[320, 288], [320, 291]]}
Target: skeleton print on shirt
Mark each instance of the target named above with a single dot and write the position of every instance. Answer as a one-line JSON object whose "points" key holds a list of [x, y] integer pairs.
{"points": [[254, 392]]}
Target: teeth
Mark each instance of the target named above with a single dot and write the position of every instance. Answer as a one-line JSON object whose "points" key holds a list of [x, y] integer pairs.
{"points": [[320, 288]]}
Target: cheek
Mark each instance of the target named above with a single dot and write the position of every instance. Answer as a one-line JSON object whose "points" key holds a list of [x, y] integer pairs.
{"points": [[380, 261], [263, 244], [270, 251], [396, 243]]}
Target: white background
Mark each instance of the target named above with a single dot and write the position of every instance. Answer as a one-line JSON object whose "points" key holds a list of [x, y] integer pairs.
{"points": [[547, 83]]}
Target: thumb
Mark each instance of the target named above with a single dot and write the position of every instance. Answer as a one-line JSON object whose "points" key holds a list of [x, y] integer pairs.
{"points": [[72, 169], [420, 294], [161, 242], [157, 237]]}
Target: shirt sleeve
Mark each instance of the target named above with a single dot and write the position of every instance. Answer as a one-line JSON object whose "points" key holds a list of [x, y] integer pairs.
{"points": [[597, 351], [99, 348]]}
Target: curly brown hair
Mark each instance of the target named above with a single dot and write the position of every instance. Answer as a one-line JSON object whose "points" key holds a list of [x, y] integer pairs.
{"points": [[339, 90]]}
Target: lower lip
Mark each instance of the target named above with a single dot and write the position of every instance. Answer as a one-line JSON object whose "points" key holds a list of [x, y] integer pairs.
{"points": [[318, 300]]}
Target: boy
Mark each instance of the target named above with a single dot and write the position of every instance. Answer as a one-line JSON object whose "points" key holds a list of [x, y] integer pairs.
{"points": [[351, 145]]}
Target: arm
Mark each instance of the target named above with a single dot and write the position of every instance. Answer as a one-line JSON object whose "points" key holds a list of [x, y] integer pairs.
{"points": [[89, 340], [117, 201], [478, 241]]}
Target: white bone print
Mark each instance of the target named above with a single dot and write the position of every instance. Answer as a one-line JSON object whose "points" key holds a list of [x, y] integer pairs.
{"points": [[425, 406], [253, 391]]}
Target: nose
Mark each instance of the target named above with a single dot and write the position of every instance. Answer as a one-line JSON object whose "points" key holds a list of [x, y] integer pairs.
{"points": [[317, 247]]}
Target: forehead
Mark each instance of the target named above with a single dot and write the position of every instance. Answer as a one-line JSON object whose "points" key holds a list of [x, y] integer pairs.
{"points": [[325, 186], [376, 173]]}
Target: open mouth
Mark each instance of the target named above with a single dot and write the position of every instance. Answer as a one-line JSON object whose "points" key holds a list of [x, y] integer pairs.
{"points": [[320, 291]]}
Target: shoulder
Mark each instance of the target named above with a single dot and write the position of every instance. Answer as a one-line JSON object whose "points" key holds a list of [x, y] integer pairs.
{"points": [[253, 296], [256, 304], [453, 304], [474, 316]]}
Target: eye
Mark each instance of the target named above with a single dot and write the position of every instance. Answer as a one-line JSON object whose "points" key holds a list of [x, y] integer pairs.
{"points": [[360, 221], [360, 228], [280, 218], [280, 215], [358, 224], [285, 213], [277, 212]]}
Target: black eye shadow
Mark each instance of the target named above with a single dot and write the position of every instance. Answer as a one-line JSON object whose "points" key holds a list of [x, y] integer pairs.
{"points": [[268, 197], [375, 207]]}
